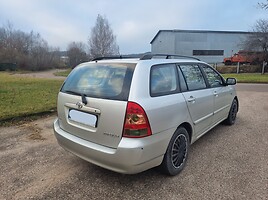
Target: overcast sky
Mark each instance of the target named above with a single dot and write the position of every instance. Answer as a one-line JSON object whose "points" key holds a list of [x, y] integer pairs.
{"points": [[134, 22]]}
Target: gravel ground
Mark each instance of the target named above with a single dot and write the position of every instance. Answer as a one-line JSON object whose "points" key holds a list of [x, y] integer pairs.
{"points": [[229, 162]]}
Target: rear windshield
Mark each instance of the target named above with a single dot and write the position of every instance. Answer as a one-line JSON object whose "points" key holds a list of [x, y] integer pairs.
{"points": [[100, 80]]}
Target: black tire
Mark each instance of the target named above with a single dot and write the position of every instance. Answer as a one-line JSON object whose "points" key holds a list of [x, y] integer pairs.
{"points": [[177, 152], [230, 120], [228, 62]]}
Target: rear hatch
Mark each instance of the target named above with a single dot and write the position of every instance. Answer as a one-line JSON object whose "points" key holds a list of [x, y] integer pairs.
{"points": [[92, 102]]}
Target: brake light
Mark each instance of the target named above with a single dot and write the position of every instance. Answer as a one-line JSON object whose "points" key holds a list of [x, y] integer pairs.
{"points": [[136, 122]]}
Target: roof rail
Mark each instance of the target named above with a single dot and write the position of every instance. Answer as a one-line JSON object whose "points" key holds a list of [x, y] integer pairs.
{"points": [[146, 56], [113, 57], [168, 56]]}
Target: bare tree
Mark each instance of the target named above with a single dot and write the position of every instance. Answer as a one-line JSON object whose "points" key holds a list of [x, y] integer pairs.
{"points": [[28, 50], [102, 41], [263, 5], [76, 53], [258, 40], [7, 43]]}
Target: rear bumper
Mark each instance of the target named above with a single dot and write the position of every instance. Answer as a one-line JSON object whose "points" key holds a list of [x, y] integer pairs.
{"points": [[132, 155]]}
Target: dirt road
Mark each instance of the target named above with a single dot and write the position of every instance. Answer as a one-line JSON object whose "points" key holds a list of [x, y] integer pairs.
{"points": [[229, 162], [42, 74]]}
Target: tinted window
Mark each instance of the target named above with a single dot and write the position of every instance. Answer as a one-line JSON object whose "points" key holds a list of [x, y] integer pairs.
{"points": [[214, 79], [163, 79], [208, 52], [193, 76], [108, 81]]}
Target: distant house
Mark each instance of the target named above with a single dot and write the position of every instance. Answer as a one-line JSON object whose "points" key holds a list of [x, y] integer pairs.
{"points": [[65, 59], [209, 46]]}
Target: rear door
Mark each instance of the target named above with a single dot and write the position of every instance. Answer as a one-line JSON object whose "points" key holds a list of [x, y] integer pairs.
{"points": [[199, 98], [92, 102]]}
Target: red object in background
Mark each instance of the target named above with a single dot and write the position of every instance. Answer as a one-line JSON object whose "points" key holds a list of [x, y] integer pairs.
{"points": [[243, 57]]}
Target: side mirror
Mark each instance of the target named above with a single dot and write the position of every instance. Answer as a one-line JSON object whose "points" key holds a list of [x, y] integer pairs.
{"points": [[230, 81]]}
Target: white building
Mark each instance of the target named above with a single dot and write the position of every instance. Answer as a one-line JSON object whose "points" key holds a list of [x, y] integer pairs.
{"points": [[209, 46]]}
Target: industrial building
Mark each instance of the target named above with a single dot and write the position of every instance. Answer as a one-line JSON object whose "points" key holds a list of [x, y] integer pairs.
{"points": [[209, 46]]}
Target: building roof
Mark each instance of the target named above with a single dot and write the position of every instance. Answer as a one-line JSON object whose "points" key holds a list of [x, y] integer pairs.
{"points": [[199, 31]]}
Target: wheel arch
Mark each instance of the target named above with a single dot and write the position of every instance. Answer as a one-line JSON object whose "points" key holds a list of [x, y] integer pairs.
{"points": [[237, 102], [166, 165], [189, 129]]}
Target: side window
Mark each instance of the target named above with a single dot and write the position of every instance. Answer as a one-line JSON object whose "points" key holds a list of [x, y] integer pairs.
{"points": [[163, 80], [214, 79], [193, 76]]}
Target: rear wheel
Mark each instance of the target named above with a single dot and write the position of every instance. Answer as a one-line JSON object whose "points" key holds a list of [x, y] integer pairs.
{"points": [[177, 153], [232, 113]]}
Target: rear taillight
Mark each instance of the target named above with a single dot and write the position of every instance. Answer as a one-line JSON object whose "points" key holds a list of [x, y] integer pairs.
{"points": [[136, 122]]}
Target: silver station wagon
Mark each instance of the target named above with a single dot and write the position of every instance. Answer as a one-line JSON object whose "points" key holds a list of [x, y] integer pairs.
{"points": [[132, 114]]}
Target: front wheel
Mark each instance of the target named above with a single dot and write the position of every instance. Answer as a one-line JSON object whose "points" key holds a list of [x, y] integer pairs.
{"points": [[230, 120], [177, 153]]}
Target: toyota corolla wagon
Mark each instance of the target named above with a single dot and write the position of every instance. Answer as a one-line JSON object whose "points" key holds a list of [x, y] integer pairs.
{"points": [[132, 114]]}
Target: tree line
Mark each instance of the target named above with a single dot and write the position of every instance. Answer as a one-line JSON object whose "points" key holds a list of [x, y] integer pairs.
{"points": [[29, 51]]}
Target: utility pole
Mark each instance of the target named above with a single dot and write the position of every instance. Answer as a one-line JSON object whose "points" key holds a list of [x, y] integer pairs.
{"points": [[263, 67], [237, 69]]}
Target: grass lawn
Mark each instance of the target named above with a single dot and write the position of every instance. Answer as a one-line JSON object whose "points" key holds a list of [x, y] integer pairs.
{"points": [[248, 78], [63, 73], [21, 96]]}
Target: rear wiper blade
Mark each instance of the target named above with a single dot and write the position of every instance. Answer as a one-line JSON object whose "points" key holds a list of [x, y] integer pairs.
{"points": [[84, 100], [72, 92]]}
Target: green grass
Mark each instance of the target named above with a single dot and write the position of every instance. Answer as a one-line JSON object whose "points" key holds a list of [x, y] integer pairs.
{"points": [[248, 77], [63, 73], [21, 96]]}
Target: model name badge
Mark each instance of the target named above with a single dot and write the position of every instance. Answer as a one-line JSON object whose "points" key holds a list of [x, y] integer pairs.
{"points": [[111, 135]]}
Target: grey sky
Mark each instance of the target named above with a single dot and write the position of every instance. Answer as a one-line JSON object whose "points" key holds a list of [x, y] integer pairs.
{"points": [[135, 23]]}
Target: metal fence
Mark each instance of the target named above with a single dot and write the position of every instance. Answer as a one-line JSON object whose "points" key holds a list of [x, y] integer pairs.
{"points": [[241, 68]]}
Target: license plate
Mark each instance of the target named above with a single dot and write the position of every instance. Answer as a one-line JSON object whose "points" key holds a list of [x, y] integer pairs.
{"points": [[83, 118]]}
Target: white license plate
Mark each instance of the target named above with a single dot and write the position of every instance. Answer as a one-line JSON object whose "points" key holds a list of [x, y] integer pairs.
{"points": [[83, 118]]}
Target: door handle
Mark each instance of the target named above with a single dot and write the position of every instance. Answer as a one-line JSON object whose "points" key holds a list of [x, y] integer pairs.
{"points": [[215, 94], [191, 99]]}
